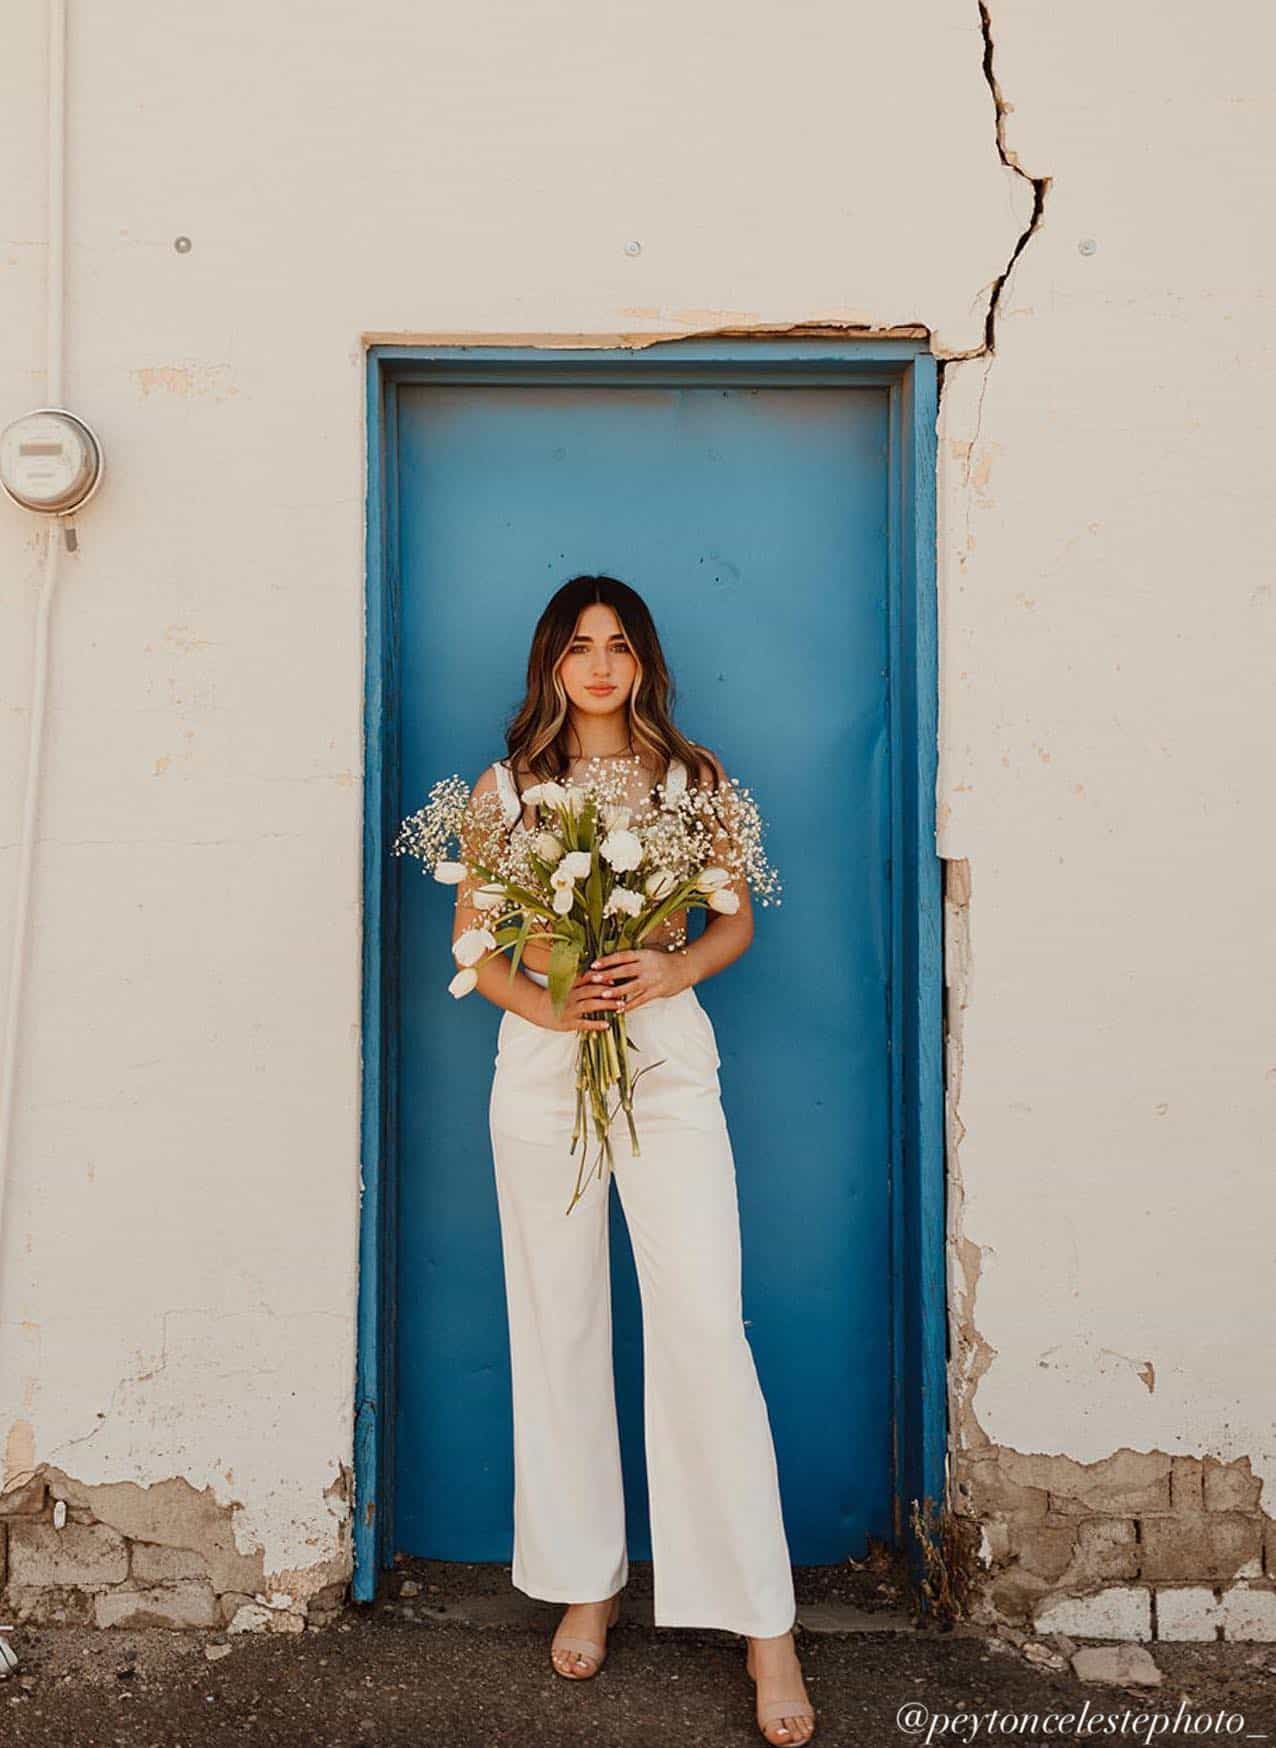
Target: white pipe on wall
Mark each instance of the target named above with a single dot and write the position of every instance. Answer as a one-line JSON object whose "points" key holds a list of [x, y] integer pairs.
{"points": [[54, 526]]}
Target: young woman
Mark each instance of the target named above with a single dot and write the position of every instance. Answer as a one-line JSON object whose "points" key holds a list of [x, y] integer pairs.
{"points": [[598, 690]]}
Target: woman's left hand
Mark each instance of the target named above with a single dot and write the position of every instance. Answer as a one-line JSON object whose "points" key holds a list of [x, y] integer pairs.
{"points": [[640, 974]]}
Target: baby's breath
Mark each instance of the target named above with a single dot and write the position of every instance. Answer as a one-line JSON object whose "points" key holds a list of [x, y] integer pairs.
{"points": [[720, 828], [608, 864], [429, 831]]}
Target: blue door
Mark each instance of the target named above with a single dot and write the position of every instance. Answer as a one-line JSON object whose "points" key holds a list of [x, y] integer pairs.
{"points": [[754, 521]]}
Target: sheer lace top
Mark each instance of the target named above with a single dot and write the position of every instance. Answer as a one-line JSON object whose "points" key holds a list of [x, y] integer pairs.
{"points": [[638, 796]]}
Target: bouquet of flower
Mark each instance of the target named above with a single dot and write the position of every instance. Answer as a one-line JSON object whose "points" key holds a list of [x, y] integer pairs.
{"points": [[597, 876]]}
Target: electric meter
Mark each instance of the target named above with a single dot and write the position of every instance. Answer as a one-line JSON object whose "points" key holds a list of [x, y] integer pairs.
{"points": [[49, 461]]}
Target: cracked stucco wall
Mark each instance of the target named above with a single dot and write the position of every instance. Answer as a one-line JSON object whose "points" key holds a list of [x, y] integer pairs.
{"points": [[1107, 624], [178, 1279]]}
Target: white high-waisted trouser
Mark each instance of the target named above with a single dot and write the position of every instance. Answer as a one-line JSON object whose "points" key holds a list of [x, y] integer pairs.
{"points": [[719, 1553]]}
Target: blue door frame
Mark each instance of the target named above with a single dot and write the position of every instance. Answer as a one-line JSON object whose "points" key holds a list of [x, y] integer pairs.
{"points": [[919, 1320]]}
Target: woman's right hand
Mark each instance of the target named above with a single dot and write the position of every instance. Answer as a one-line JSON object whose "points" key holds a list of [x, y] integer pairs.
{"points": [[584, 998]]}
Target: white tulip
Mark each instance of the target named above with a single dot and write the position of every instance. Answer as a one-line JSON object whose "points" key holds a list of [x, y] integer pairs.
{"points": [[660, 884], [575, 797], [622, 899], [532, 794], [547, 846], [623, 850], [463, 983], [450, 873], [488, 897], [551, 795], [577, 863], [712, 878], [615, 819], [469, 948], [564, 897], [725, 900]]}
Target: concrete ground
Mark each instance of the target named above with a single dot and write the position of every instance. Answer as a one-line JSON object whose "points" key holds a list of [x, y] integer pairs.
{"points": [[453, 1654]]}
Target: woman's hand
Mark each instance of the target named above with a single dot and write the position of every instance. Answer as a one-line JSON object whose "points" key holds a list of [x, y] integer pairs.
{"points": [[584, 998], [641, 974]]}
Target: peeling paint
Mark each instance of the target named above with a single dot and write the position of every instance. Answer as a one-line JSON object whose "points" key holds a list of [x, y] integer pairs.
{"points": [[186, 381], [971, 1354], [167, 1554], [815, 328]]}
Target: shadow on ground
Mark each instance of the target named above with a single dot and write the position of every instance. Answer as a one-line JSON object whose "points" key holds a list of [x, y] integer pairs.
{"points": [[451, 1654]]}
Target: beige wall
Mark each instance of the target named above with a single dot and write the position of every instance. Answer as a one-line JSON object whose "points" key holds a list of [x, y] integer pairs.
{"points": [[178, 1284]]}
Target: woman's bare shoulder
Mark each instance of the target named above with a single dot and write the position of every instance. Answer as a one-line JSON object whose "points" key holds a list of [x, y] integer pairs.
{"points": [[521, 772], [709, 764]]}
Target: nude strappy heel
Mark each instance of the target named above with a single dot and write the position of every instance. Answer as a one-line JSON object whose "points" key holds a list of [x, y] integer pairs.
{"points": [[775, 1709], [596, 1653]]}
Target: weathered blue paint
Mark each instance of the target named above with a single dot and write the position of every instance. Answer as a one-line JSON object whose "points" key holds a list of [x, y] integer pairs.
{"points": [[916, 1326]]}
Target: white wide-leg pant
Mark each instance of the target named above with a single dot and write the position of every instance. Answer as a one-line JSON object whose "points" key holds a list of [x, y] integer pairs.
{"points": [[719, 1551]]}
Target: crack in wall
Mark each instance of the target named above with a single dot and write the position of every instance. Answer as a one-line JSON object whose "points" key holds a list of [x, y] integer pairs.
{"points": [[1040, 185], [1010, 158], [969, 1354]]}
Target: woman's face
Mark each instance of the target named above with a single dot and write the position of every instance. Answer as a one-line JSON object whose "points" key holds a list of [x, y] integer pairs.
{"points": [[599, 669]]}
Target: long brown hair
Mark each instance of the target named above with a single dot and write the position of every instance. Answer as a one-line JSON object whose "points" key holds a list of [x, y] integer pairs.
{"points": [[536, 734]]}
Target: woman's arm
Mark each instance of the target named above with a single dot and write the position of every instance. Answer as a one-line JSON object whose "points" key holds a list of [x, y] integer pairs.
{"points": [[521, 994]]}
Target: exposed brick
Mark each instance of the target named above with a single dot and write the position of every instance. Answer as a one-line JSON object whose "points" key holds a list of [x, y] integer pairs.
{"points": [[1106, 1548], [1126, 1484], [1249, 1612], [1231, 1486], [1207, 1546], [86, 1556], [326, 1605], [1187, 1611], [155, 1565], [25, 1500], [191, 1604], [1043, 1548], [1015, 1593], [44, 1605], [1116, 1612], [989, 1492], [1186, 1493]]}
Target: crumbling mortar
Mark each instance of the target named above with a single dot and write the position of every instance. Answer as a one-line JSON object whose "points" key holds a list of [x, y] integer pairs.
{"points": [[1026, 1564], [208, 1572], [969, 1354]]}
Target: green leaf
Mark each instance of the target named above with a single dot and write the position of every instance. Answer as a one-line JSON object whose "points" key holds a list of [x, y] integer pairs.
{"points": [[564, 962], [675, 901], [594, 893], [518, 950]]}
